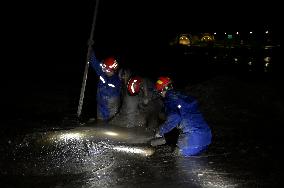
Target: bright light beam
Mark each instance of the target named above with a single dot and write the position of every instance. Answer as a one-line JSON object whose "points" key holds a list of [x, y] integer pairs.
{"points": [[70, 136], [145, 152], [110, 133]]}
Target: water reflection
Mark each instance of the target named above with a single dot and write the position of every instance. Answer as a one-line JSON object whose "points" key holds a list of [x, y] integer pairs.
{"points": [[201, 172], [75, 151], [239, 59], [110, 157]]}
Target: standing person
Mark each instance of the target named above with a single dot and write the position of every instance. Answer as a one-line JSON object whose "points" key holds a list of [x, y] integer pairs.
{"points": [[182, 112], [108, 88], [140, 104]]}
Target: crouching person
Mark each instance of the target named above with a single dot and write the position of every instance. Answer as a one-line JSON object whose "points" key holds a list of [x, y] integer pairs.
{"points": [[182, 112]]}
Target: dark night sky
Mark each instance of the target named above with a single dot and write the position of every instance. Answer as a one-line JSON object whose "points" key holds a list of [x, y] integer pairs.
{"points": [[44, 43], [46, 38]]}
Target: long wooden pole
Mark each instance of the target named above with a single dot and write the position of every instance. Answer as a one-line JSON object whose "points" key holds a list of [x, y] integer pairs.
{"points": [[90, 43]]}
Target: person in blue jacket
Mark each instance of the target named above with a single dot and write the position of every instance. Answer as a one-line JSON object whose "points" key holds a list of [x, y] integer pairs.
{"points": [[182, 112], [108, 88]]}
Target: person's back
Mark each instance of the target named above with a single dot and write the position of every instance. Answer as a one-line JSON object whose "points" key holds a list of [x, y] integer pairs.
{"points": [[192, 121], [182, 112], [138, 106], [150, 105]]}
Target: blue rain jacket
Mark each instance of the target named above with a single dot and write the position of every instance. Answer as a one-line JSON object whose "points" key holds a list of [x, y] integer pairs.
{"points": [[108, 90], [182, 112]]}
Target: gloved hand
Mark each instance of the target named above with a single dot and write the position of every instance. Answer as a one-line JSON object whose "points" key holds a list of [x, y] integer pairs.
{"points": [[158, 140], [157, 135]]}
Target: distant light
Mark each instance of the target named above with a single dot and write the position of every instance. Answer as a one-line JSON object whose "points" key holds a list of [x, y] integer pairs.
{"points": [[237, 33], [184, 40], [225, 33], [110, 133], [249, 63], [207, 38], [266, 32], [215, 33], [250, 32], [266, 64], [236, 59]]}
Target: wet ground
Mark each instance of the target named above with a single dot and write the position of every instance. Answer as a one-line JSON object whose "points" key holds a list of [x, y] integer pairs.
{"points": [[106, 156], [245, 152], [42, 145]]}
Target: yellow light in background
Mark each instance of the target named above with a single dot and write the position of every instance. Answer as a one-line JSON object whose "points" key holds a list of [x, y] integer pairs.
{"points": [[184, 40], [206, 38]]}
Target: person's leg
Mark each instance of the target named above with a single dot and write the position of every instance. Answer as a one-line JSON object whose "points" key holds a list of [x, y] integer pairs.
{"points": [[182, 143], [187, 152], [113, 104], [99, 113], [184, 147]]}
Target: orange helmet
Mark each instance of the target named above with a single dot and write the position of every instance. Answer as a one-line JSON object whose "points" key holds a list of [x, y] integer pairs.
{"points": [[163, 83], [133, 85], [109, 64]]}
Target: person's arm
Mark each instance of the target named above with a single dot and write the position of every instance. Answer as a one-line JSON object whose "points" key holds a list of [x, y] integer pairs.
{"points": [[172, 121], [145, 90], [124, 75], [95, 63]]}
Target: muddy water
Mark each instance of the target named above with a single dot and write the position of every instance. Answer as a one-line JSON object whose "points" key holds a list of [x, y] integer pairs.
{"points": [[107, 156]]}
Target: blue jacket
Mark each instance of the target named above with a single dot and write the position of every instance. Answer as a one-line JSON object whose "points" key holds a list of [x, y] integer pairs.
{"points": [[108, 87], [182, 112]]}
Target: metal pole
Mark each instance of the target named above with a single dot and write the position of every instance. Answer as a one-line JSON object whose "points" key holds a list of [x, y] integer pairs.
{"points": [[90, 43]]}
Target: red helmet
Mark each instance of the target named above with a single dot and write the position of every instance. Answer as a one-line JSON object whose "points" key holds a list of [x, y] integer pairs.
{"points": [[163, 83], [133, 85], [109, 64]]}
